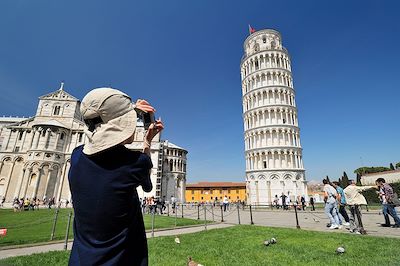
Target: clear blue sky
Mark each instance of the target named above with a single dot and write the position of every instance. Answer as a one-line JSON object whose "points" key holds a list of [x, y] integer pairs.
{"points": [[184, 56]]}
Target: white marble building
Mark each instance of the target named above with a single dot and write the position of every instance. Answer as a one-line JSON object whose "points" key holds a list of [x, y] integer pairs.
{"points": [[35, 153], [274, 163], [392, 176]]}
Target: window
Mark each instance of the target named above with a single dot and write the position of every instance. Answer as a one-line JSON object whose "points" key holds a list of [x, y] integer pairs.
{"points": [[237, 191], [211, 197], [16, 149], [20, 135], [157, 193], [229, 191], [57, 110], [284, 121], [264, 40], [265, 164], [170, 166], [237, 197], [201, 197], [43, 133], [158, 180], [80, 137], [192, 198], [229, 197], [192, 192], [220, 191], [62, 136]]}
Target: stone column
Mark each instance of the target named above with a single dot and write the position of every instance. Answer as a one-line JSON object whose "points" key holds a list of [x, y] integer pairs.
{"points": [[9, 179], [57, 140], [35, 189], [47, 181], [183, 189], [29, 172], [47, 137], [16, 140], [1, 165], [7, 141], [295, 189], [39, 133], [31, 141], [257, 192], [23, 139], [269, 191], [19, 184]]}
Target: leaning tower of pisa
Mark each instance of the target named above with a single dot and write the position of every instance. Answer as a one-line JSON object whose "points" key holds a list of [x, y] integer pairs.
{"points": [[274, 163]]}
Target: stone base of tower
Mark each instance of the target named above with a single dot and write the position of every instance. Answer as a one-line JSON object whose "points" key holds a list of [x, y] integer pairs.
{"points": [[263, 186]]}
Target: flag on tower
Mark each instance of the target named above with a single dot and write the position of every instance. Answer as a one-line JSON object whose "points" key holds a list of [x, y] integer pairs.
{"points": [[251, 29]]}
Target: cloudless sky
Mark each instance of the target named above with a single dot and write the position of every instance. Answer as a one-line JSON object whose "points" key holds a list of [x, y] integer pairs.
{"points": [[184, 57]]}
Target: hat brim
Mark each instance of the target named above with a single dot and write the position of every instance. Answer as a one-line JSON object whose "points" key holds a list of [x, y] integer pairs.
{"points": [[111, 133]]}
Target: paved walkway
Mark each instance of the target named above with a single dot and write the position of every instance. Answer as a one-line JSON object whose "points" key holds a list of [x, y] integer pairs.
{"points": [[60, 246], [308, 220]]}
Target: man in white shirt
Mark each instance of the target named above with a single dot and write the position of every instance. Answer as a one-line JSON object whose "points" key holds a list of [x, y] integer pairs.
{"points": [[331, 211], [354, 199]]}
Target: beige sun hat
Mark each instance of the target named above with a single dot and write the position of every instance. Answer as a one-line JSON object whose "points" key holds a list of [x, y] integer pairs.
{"points": [[110, 117]]}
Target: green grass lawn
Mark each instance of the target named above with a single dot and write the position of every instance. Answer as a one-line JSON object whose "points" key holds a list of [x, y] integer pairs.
{"points": [[243, 245], [28, 227]]}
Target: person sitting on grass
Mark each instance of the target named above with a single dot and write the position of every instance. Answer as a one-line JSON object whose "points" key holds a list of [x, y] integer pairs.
{"points": [[104, 174]]}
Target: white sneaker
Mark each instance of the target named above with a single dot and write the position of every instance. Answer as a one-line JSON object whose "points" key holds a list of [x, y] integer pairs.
{"points": [[346, 224], [334, 226], [340, 227]]}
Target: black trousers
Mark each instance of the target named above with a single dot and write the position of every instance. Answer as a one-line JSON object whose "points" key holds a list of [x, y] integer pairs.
{"points": [[342, 211]]}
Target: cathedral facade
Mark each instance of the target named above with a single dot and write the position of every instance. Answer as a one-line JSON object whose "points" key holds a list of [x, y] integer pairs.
{"points": [[35, 153]]}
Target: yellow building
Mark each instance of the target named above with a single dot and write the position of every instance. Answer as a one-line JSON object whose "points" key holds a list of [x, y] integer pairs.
{"points": [[215, 191]]}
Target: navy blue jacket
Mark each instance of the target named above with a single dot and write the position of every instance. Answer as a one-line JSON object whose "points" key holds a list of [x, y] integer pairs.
{"points": [[108, 222]]}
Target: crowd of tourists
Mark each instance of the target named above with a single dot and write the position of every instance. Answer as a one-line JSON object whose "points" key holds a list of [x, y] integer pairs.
{"points": [[287, 202], [337, 199], [26, 204], [154, 205]]}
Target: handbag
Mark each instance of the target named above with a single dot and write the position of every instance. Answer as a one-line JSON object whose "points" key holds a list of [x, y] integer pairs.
{"points": [[394, 200]]}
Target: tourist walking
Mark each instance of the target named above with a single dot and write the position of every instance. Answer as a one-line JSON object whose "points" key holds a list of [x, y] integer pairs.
{"points": [[342, 203], [103, 177], [303, 203], [225, 203], [391, 200], [330, 196], [312, 202], [284, 201], [173, 202], [354, 199]]}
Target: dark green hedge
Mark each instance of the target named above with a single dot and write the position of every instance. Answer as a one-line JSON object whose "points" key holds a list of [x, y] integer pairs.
{"points": [[372, 196]]}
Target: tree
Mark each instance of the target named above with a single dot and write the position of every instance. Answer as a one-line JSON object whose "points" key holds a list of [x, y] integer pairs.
{"points": [[327, 178], [398, 165], [391, 166], [369, 170], [340, 182], [345, 180]]}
